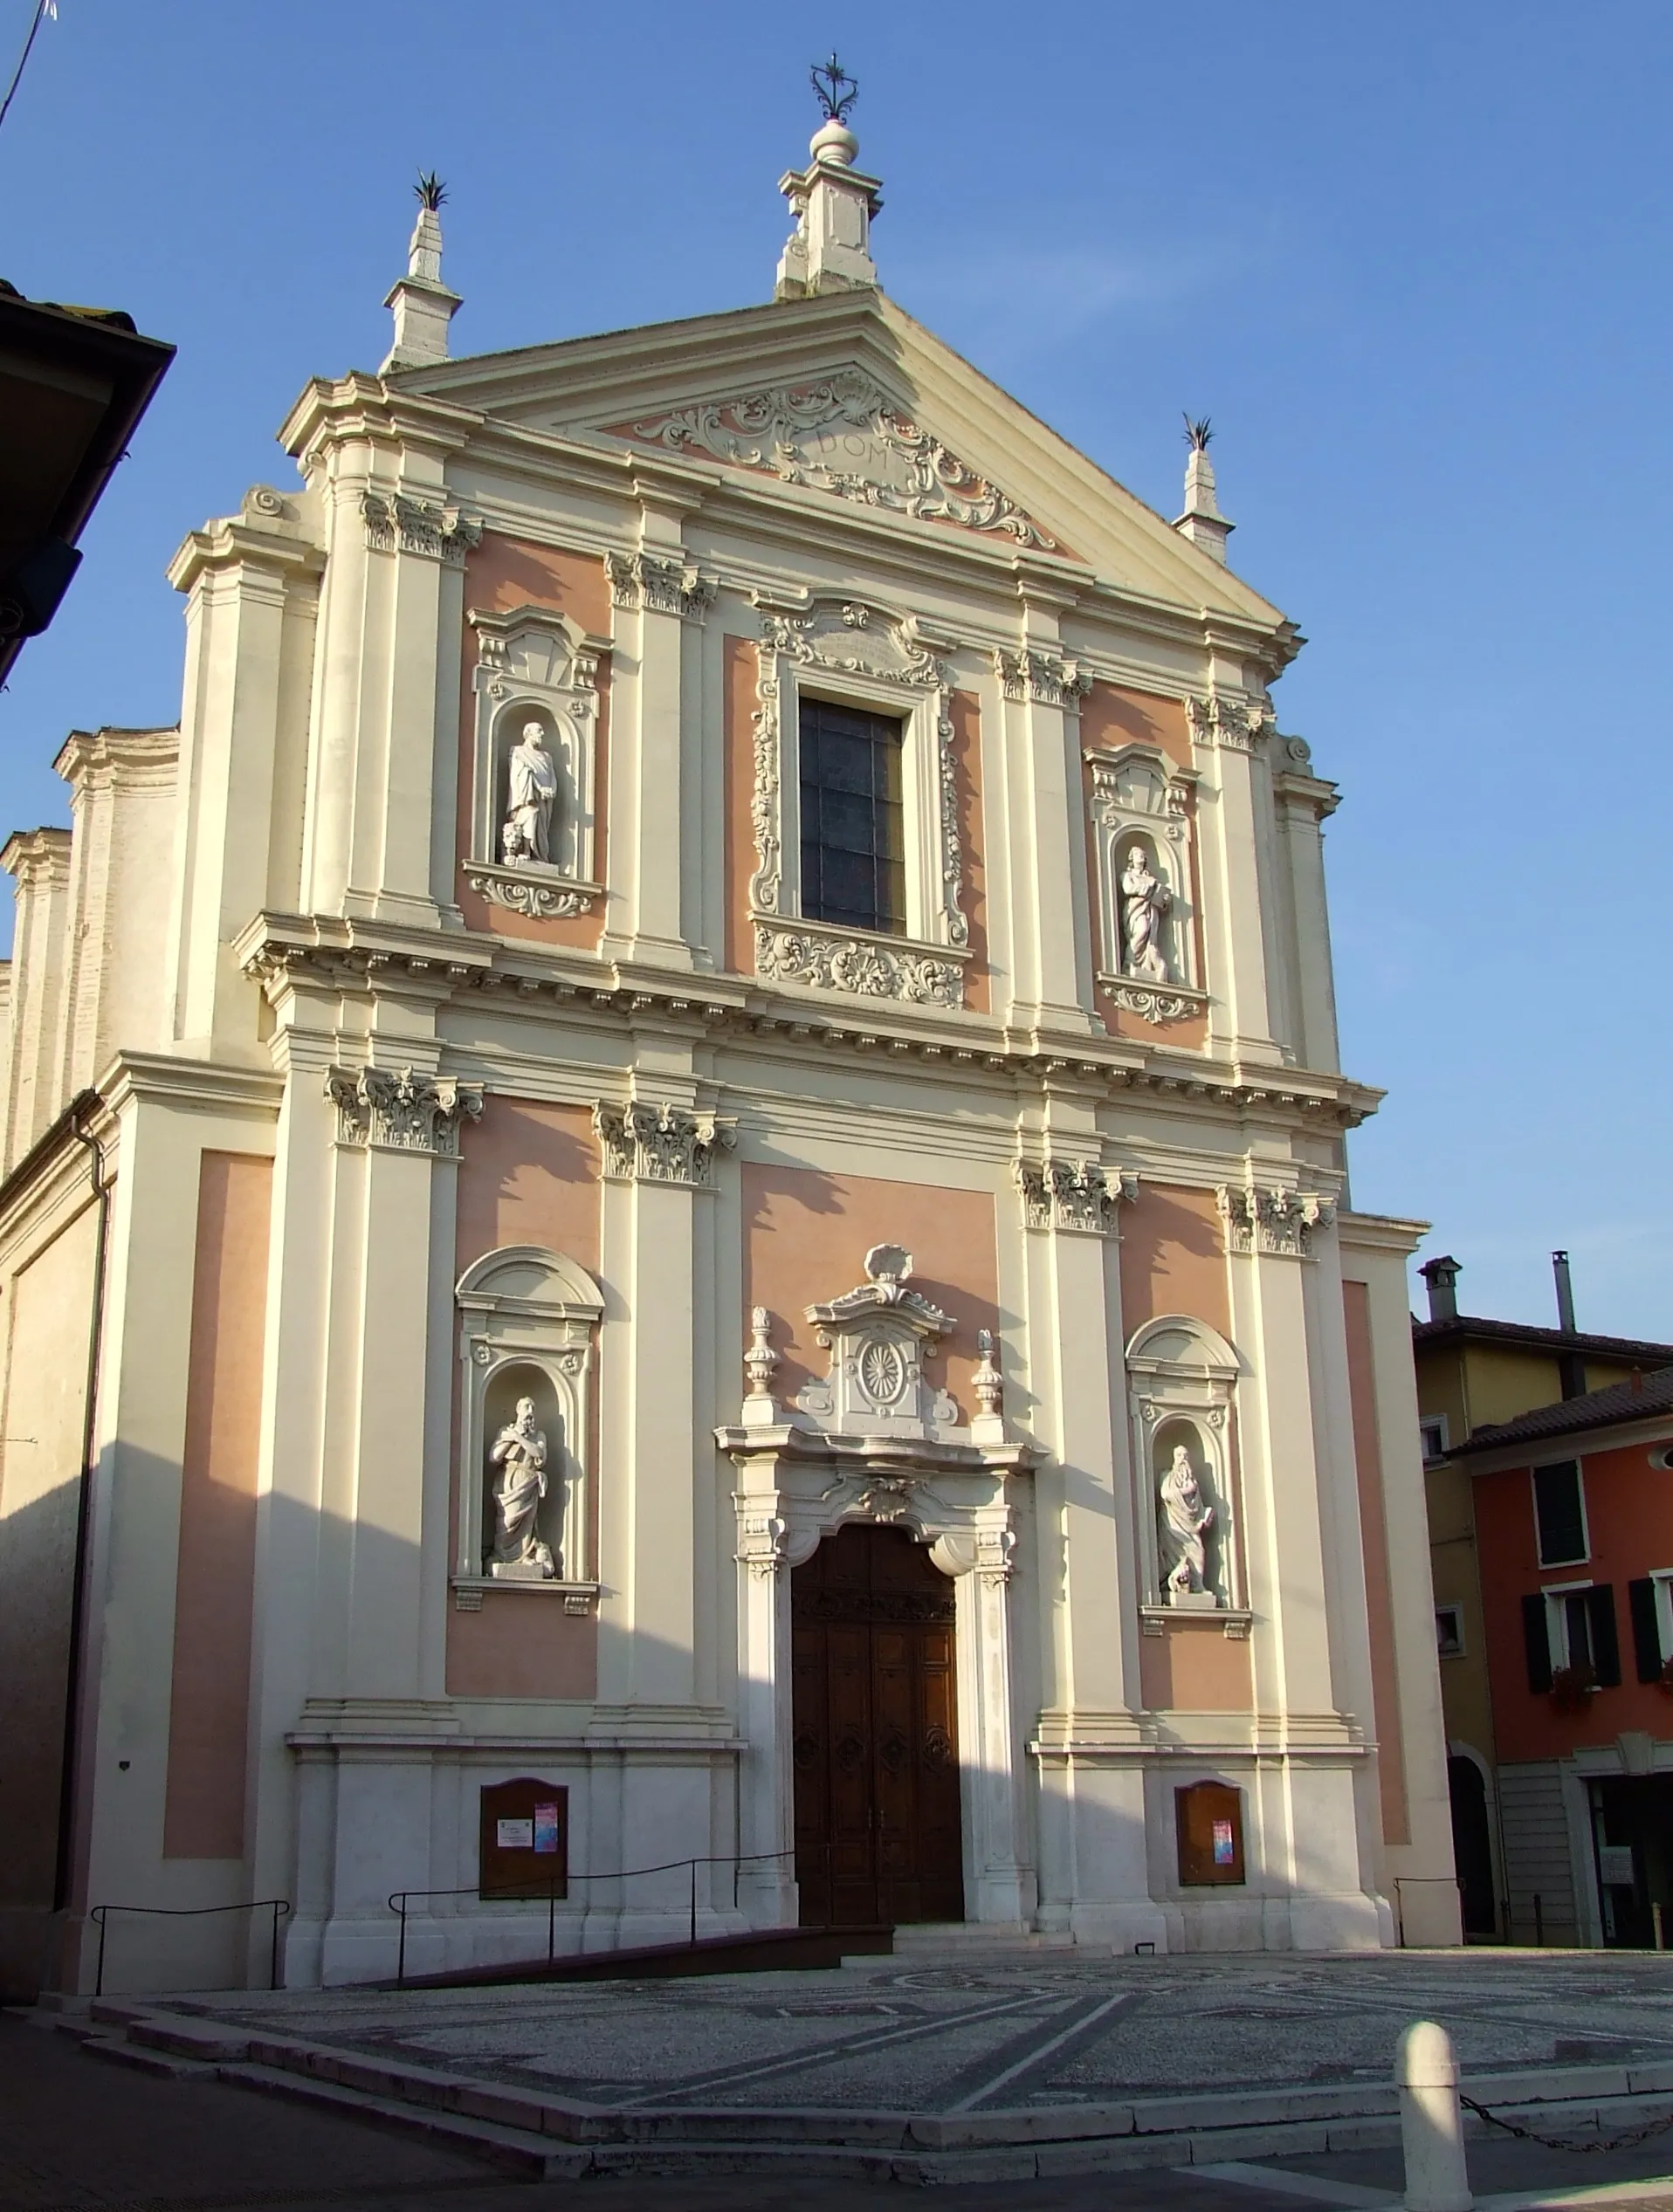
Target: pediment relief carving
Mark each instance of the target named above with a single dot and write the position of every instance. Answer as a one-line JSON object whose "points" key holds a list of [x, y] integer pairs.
{"points": [[878, 1336], [841, 434]]}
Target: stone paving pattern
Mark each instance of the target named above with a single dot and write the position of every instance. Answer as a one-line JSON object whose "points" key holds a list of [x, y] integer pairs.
{"points": [[887, 2034], [77, 2134]]}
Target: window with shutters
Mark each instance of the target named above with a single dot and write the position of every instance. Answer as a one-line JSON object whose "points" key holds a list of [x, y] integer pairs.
{"points": [[1650, 1601], [1559, 1514], [1571, 1629]]}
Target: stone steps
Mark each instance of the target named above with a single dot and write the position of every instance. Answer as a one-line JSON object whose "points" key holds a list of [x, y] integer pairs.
{"points": [[545, 2136]]}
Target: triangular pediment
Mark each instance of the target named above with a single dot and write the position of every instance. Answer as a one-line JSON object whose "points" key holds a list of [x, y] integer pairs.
{"points": [[848, 397]]}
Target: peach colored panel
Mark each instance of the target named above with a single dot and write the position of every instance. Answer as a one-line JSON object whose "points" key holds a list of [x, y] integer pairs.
{"points": [[741, 666], [964, 711], [1172, 1257], [1378, 1599], [209, 1710], [1193, 1666], [1111, 718], [807, 1234], [528, 1174], [500, 574]]}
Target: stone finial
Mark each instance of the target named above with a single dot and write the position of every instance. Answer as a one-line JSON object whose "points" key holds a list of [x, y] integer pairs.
{"points": [[423, 305], [1202, 522], [760, 1407], [833, 203]]}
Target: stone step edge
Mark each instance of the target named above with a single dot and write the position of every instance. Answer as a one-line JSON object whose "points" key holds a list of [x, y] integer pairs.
{"points": [[438, 2088]]}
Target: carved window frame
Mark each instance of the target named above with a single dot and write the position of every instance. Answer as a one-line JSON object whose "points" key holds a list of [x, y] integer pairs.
{"points": [[1179, 1370], [1167, 831], [857, 653], [522, 1306], [537, 662]]}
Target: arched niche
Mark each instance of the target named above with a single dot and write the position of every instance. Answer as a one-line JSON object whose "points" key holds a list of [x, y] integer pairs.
{"points": [[535, 665], [528, 1319], [1182, 1380], [1139, 798]]}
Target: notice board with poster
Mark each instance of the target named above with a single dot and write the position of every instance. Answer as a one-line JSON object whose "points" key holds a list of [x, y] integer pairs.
{"points": [[1208, 1821], [525, 1847]]}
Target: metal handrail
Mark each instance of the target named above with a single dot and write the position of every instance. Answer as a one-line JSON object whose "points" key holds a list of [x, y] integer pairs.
{"points": [[734, 1859], [277, 1906]]}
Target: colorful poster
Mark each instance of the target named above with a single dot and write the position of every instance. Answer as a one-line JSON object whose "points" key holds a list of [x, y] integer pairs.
{"points": [[1225, 1852], [545, 1828], [515, 1835]]}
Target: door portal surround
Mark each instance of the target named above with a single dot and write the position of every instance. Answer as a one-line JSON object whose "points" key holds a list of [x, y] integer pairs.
{"points": [[795, 1486]]}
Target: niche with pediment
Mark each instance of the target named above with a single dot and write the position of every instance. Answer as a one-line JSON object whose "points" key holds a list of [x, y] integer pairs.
{"points": [[1141, 831], [1181, 1379], [528, 1319], [532, 818]]}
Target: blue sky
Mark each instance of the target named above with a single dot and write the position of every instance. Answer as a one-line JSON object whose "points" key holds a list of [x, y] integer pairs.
{"points": [[1413, 260]]}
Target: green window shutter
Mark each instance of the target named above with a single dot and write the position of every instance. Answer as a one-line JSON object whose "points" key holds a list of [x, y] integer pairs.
{"points": [[1606, 1643], [1646, 1629], [1537, 1639]]}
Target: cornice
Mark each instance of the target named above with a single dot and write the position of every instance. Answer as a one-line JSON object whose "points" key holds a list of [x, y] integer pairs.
{"points": [[129, 759], [28, 854], [330, 954], [1380, 1232], [160, 1078], [233, 541]]}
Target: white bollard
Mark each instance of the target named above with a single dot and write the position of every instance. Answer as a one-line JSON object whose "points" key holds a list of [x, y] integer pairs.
{"points": [[1431, 2129]]}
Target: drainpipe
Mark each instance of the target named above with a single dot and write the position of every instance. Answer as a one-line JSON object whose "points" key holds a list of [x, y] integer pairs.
{"points": [[101, 1189]]}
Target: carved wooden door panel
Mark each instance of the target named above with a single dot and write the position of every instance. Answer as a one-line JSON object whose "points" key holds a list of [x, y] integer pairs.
{"points": [[874, 1734]]}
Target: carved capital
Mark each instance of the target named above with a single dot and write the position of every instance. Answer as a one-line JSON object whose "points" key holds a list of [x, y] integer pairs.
{"points": [[662, 583], [868, 969], [1238, 724], [1046, 678], [1072, 1194], [1273, 1221], [646, 1143], [761, 1540], [396, 522], [395, 1109]]}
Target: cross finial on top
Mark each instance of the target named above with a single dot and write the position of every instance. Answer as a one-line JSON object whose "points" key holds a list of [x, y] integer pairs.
{"points": [[834, 89]]}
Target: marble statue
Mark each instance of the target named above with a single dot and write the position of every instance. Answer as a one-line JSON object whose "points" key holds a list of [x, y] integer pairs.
{"points": [[1187, 1517], [530, 796], [1145, 900], [519, 1451]]}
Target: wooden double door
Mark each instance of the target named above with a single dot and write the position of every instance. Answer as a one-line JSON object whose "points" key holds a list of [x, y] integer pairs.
{"points": [[875, 1739]]}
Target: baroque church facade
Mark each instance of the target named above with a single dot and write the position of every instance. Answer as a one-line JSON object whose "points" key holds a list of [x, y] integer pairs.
{"points": [[690, 1132]]}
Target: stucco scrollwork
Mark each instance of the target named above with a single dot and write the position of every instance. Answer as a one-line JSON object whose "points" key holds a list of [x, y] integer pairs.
{"points": [[878, 1336], [399, 1111], [845, 435], [805, 953], [647, 1143], [1072, 1194], [1280, 1222]]}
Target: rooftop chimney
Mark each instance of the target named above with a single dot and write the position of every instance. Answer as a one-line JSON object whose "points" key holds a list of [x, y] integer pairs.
{"points": [[1564, 1292], [1442, 1277], [1571, 1366]]}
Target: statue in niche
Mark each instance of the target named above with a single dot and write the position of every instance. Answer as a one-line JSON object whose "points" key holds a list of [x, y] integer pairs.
{"points": [[531, 796], [1145, 901], [519, 1451], [1187, 1517]]}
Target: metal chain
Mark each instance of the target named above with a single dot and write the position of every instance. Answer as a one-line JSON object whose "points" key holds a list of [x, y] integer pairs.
{"points": [[1568, 2142]]}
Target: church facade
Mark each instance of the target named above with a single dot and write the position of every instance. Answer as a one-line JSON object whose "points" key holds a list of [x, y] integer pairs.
{"points": [[690, 1132]]}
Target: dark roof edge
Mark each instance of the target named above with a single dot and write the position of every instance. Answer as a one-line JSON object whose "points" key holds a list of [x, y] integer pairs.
{"points": [[1619, 1406], [1465, 1326], [50, 1140]]}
